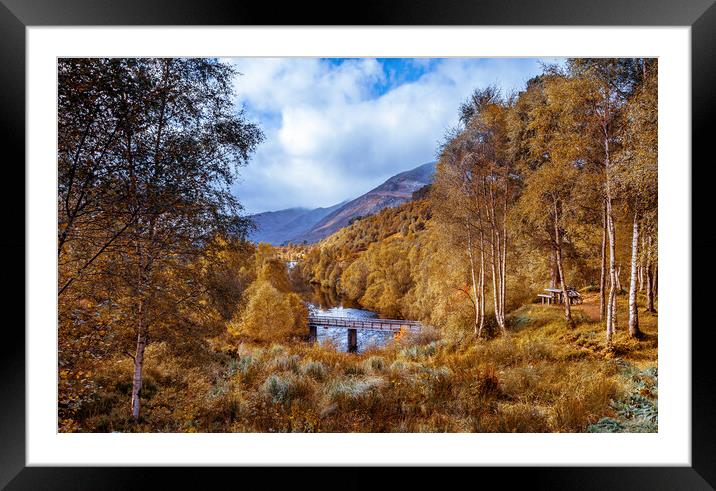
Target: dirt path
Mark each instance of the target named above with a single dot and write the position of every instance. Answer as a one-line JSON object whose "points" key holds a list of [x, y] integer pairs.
{"points": [[590, 306]]}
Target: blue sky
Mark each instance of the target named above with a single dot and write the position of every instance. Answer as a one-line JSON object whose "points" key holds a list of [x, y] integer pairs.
{"points": [[336, 128]]}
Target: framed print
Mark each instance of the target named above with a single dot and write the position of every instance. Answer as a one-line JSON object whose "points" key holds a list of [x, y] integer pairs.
{"points": [[449, 235]]}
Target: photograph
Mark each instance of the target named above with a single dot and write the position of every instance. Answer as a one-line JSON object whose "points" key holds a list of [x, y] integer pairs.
{"points": [[357, 245]]}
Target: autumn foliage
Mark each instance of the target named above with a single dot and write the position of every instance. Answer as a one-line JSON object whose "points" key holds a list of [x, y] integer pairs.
{"points": [[170, 320]]}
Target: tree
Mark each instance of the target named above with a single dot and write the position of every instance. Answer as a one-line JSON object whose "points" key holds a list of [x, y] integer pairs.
{"points": [[636, 171], [274, 271], [551, 166], [354, 278], [605, 85], [457, 182], [92, 111], [269, 314], [154, 188], [473, 190], [388, 279]]}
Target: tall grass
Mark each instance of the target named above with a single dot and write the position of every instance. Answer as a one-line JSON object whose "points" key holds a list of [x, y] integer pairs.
{"points": [[541, 377]]}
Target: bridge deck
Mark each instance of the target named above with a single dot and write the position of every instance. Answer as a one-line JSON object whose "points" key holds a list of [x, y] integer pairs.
{"points": [[392, 325]]}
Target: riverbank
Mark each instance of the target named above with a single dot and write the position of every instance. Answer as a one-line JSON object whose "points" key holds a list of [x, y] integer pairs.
{"points": [[541, 377]]}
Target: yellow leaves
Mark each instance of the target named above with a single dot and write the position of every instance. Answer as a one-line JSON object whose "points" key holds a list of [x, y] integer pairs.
{"points": [[67, 425], [269, 313], [68, 375]]}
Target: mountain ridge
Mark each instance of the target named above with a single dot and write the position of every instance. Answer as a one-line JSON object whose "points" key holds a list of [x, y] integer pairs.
{"points": [[276, 227], [301, 225]]}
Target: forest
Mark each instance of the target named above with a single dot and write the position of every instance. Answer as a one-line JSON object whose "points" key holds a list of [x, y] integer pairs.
{"points": [[170, 320]]}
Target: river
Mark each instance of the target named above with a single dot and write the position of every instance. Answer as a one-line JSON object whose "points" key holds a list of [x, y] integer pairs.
{"points": [[327, 303]]}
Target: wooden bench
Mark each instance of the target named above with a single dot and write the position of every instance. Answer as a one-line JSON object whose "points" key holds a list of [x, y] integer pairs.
{"points": [[555, 294], [544, 296]]}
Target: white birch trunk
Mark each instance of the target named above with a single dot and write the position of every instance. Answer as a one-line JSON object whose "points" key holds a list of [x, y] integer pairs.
{"points": [[482, 288], [611, 303], [633, 312], [138, 366], [474, 281], [603, 276]]}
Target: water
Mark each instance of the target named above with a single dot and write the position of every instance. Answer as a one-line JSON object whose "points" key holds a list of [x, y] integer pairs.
{"points": [[327, 304]]}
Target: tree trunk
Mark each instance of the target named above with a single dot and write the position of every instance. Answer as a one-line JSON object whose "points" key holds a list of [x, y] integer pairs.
{"points": [[474, 282], [649, 279], [496, 253], [495, 288], [603, 277], [558, 253], [611, 303], [553, 270], [482, 285], [138, 365], [639, 278], [503, 296], [633, 311], [642, 258], [144, 261]]}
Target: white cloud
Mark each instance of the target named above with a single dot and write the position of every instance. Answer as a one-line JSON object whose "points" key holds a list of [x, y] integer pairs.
{"points": [[330, 137]]}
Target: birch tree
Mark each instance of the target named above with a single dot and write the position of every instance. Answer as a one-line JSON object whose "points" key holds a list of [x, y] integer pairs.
{"points": [[636, 171], [605, 88], [458, 181], [473, 192], [176, 143], [551, 167]]}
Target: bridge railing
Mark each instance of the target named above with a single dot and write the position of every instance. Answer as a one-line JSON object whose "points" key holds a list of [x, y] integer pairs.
{"points": [[393, 325]]}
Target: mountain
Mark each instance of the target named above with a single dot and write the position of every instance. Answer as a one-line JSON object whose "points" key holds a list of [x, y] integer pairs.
{"points": [[300, 225], [396, 190], [277, 227]]}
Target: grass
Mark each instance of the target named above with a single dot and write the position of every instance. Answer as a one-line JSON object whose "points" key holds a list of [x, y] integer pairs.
{"points": [[541, 377]]}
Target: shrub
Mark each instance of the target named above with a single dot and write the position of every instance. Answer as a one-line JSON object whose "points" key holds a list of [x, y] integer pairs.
{"points": [[232, 368], [247, 366], [440, 382], [315, 370], [350, 391], [606, 425], [286, 363], [276, 349], [353, 370], [401, 366], [375, 363], [417, 351], [282, 390], [520, 418], [582, 402], [487, 384]]}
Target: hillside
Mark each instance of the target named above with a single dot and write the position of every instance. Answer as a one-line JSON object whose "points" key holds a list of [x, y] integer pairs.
{"points": [[409, 217], [395, 191], [277, 227]]}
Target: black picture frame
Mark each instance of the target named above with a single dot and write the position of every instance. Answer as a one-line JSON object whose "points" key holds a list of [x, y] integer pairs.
{"points": [[16, 15]]}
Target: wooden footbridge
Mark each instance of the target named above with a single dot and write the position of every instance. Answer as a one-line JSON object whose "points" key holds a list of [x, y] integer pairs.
{"points": [[354, 324]]}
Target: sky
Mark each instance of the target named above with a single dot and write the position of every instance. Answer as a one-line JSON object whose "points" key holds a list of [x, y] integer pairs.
{"points": [[336, 128]]}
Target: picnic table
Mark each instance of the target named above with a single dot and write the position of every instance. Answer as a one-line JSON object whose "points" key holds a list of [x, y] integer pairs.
{"points": [[556, 295]]}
